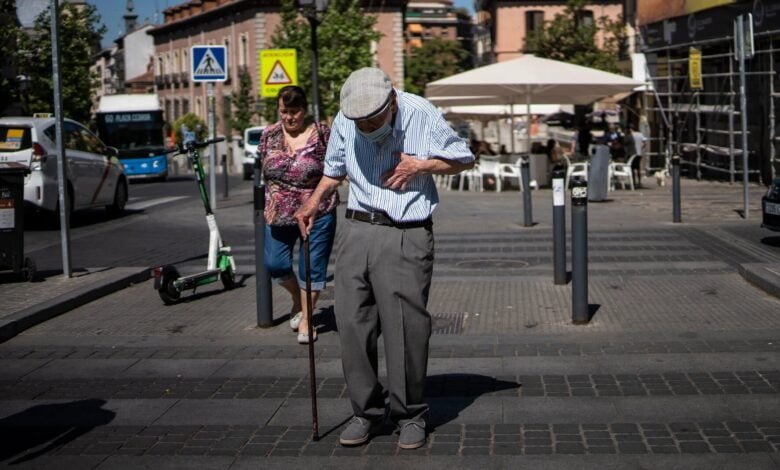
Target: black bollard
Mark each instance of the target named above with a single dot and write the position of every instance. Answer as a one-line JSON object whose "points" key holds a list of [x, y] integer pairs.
{"points": [[528, 217], [579, 252], [264, 299], [225, 172], [676, 218], [559, 226]]}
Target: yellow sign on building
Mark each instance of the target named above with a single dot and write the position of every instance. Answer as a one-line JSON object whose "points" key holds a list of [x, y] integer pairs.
{"points": [[694, 69], [278, 68]]}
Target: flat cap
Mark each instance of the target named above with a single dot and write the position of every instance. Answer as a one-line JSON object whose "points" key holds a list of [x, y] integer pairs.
{"points": [[365, 92]]}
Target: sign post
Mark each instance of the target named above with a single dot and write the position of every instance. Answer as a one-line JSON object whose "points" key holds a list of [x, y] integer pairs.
{"points": [[278, 68], [743, 49], [210, 64]]}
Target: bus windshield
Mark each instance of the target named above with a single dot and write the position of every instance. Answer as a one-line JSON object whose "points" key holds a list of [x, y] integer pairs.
{"points": [[134, 134]]}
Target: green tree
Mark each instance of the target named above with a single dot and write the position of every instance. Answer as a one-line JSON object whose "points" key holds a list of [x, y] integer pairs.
{"points": [[344, 38], [79, 40], [436, 58], [194, 123], [243, 101], [9, 33], [569, 39]]}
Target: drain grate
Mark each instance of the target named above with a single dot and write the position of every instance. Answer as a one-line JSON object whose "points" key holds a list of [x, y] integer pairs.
{"points": [[448, 323]]}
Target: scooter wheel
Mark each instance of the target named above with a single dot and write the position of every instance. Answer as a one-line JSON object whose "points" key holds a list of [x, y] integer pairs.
{"points": [[28, 270], [228, 278], [168, 293]]}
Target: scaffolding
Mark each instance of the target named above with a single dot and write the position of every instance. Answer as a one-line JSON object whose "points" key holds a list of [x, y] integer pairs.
{"points": [[703, 126]]}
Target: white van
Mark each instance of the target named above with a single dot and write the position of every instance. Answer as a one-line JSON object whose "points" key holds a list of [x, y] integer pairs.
{"points": [[251, 141]]}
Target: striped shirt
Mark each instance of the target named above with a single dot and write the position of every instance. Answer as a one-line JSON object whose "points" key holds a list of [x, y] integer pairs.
{"points": [[419, 130]]}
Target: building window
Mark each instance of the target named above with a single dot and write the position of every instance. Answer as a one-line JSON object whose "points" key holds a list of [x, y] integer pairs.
{"points": [[175, 62], [585, 18], [198, 106], [176, 114], [185, 63], [534, 22], [185, 106], [243, 54], [160, 66], [168, 115]]}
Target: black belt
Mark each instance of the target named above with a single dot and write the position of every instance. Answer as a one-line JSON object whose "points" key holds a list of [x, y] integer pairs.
{"points": [[380, 218]]}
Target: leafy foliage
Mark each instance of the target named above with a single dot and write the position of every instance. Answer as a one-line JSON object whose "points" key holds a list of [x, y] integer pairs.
{"points": [[567, 39], [194, 123], [243, 101], [436, 58], [79, 39], [9, 33], [344, 39]]}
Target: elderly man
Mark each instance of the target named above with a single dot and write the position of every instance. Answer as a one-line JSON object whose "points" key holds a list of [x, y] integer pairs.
{"points": [[389, 143]]}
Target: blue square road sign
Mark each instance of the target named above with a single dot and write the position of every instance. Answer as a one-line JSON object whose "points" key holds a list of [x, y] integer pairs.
{"points": [[209, 63]]}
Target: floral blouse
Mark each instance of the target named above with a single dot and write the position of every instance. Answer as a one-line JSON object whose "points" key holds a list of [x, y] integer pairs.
{"points": [[290, 177]]}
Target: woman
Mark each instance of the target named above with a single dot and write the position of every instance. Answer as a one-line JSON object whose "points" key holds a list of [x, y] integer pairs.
{"points": [[554, 153], [292, 152]]}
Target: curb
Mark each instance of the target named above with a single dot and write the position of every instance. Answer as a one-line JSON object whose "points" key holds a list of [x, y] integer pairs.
{"points": [[31, 316], [765, 276]]}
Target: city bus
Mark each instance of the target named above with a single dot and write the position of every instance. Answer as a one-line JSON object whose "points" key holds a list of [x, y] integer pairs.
{"points": [[134, 125]]}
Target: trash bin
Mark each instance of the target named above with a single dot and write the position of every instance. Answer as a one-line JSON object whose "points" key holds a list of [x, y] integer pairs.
{"points": [[598, 173], [12, 220]]}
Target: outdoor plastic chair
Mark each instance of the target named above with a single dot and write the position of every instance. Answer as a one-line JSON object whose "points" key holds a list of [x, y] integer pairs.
{"points": [[470, 175], [575, 170], [510, 171], [489, 167], [621, 173]]}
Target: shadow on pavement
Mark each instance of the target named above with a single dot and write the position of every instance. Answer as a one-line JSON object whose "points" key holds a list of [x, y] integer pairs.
{"points": [[43, 428], [771, 241], [453, 393]]}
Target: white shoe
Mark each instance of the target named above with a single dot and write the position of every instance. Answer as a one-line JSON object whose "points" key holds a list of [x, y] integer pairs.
{"points": [[303, 338], [295, 321]]}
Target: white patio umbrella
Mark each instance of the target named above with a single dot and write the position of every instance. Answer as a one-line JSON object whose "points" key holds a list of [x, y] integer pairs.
{"points": [[529, 80]]}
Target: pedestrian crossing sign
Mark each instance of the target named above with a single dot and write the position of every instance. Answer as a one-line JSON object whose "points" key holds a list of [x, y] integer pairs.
{"points": [[209, 63], [278, 68]]}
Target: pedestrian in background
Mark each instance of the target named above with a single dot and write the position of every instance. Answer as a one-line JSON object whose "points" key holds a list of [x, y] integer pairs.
{"points": [[389, 143], [292, 153], [635, 142]]}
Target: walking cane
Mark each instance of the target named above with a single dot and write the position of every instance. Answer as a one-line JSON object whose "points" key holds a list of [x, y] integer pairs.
{"points": [[312, 375]]}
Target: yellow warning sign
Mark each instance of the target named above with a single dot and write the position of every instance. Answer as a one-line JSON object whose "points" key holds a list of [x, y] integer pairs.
{"points": [[694, 68], [278, 68]]}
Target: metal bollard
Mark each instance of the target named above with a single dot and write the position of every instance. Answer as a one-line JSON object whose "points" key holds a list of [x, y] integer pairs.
{"points": [[559, 226], [264, 299], [528, 217], [579, 253], [225, 172], [676, 218]]}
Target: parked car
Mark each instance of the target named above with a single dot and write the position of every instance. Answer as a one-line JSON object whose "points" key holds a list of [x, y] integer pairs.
{"points": [[770, 206], [96, 177], [249, 143]]}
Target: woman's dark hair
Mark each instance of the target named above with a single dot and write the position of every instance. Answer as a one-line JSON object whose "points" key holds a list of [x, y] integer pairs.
{"points": [[292, 97], [550, 145]]}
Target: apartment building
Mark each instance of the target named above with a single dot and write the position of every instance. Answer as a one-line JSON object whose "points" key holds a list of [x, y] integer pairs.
{"points": [[245, 28], [501, 26], [436, 19]]}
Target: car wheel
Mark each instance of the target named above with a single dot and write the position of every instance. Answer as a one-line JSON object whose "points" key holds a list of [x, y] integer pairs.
{"points": [[120, 199]]}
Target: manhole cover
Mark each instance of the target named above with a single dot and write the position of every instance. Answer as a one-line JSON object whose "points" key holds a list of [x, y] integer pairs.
{"points": [[492, 264], [447, 323]]}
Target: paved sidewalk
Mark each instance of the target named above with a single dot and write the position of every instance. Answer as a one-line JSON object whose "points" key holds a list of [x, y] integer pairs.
{"points": [[678, 368]]}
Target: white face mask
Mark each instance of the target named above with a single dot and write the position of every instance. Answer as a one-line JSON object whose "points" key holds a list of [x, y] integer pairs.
{"points": [[379, 135]]}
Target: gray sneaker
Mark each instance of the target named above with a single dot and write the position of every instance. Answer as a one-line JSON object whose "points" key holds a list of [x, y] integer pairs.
{"points": [[412, 435], [357, 432]]}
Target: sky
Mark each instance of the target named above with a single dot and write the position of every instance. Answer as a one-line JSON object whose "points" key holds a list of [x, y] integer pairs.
{"points": [[150, 11]]}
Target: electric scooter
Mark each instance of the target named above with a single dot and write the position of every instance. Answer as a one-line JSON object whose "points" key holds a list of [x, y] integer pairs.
{"points": [[167, 281]]}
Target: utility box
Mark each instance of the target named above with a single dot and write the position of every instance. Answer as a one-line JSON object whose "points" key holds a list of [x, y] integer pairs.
{"points": [[12, 220], [598, 173]]}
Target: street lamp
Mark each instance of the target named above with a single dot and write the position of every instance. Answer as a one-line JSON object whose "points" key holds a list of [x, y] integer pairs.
{"points": [[311, 9]]}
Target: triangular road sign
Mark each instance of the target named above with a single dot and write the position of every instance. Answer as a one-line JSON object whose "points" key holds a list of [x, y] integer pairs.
{"points": [[209, 65], [278, 75]]}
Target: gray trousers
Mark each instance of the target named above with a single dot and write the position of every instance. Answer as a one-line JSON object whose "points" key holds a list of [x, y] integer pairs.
{"points": [[383, 277]]}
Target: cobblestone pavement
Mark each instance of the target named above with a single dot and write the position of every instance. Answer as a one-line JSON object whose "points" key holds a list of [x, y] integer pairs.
{"points": [[678, 368]]}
